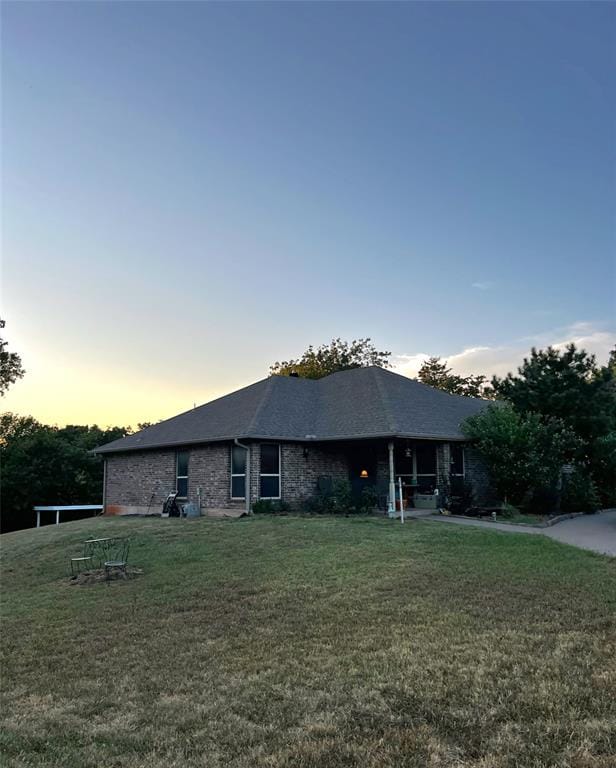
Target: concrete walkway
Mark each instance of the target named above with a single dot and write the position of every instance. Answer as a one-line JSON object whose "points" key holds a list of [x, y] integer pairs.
{"points": [[595, 532]]}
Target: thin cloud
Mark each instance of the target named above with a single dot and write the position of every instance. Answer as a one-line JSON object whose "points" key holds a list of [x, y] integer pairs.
{"points": [[501, 359], [483, 285]]}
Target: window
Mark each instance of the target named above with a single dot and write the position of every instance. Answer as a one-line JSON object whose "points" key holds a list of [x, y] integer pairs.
{"points": [[426, 459], [404, 463], [457, 459], [181, 474], [238, 472], [425, 467], [270, 471], [418, 470]]}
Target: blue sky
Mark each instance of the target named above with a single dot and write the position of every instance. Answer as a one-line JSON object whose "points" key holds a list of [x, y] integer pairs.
{"points": [[192, 191]]}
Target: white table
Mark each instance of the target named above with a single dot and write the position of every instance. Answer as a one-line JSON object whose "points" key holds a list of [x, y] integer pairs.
{"points": [[94, 507]]}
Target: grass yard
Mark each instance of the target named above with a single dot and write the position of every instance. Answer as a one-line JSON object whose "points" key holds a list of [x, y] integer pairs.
{"points": [[291, 641]]}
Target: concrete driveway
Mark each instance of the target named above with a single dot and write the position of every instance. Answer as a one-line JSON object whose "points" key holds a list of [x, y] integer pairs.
{"points": [[596, 532]]}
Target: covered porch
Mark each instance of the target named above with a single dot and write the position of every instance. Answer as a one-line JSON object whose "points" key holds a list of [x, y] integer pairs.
{"points": [[419, 471]]}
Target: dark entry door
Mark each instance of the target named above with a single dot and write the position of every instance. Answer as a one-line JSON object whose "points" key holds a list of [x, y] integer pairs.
{"points": [[362, 463]]}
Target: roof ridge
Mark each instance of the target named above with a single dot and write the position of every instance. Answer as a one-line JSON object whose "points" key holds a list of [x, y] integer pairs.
{"points": [[266, 391], [428, 386], [385, 398]]}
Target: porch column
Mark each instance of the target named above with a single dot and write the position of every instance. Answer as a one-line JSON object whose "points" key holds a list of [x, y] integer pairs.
{"points": [[392, 479], [247, 479]]}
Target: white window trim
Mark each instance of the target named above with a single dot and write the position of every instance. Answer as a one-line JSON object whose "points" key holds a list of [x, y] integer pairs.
{"points": [[181, 477], [237, 474], [272, 474], [457, 474]]}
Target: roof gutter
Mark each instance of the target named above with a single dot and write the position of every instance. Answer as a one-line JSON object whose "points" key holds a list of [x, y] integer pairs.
{"points": [[286, 439], [247, 480]]}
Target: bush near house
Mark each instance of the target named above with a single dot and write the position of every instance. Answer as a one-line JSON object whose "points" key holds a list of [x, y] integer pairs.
{"points": [[340, 501], [460, 496], [270, 507], [579, 493], [602, 466], [523, 453]]}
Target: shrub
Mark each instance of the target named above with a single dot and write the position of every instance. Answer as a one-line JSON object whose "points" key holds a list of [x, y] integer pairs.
{"points": [[543, 500], [368, 500], [341, 499], [522, 452], [317, 504], [461, 496], [338, 501], [603, 468], [270, 507], [508, 511], [580, 493]]}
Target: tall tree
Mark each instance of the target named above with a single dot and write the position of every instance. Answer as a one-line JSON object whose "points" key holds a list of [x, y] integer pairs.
{"points": [[329, 358], [11, 368], [435, 373], [564, 384]]}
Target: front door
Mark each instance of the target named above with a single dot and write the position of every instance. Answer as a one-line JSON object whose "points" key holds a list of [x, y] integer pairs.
{"points": [[362, 469]]}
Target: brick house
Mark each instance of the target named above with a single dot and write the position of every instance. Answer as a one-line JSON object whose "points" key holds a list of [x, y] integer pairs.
{"points": [[283, 436]]}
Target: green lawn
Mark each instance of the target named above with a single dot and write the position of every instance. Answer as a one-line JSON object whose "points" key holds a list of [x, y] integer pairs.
{"points": [[291, 641]]}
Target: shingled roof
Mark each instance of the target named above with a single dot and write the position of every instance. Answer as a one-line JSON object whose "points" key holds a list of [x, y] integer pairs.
{"points": [[350, 405]]}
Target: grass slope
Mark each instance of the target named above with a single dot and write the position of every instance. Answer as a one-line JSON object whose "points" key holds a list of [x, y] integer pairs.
{"points": [[308, 642]]}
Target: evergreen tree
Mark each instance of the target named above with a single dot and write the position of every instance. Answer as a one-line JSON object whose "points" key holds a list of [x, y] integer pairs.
{"points": [[566, 385], [435, 373]]}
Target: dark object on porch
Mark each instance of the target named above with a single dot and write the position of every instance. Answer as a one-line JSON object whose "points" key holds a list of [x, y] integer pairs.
{"points": [[117, 552], [171, 507]]}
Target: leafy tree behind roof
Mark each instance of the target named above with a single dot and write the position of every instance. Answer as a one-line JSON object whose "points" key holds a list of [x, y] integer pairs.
{"points": [[329, 358]]}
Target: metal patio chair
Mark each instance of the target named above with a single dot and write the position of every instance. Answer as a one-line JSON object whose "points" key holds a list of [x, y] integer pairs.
{"points": [[80, 564], [117, 557]]}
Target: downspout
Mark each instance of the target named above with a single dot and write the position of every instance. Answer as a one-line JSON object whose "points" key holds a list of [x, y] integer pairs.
{"points": [[247, 482]]}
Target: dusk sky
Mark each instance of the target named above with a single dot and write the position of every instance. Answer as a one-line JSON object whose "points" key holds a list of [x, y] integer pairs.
{"points": [[193, 191]]}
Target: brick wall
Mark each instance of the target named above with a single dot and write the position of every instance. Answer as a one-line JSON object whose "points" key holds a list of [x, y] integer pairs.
{"points": [[138, 482], [478, 476], [300, 473]]}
